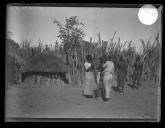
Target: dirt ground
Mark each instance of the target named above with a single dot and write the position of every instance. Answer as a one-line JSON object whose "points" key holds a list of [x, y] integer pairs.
{"points": [[68, 102]]}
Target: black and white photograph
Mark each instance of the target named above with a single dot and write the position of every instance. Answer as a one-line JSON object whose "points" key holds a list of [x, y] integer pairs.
{"points": [[84, 63]]}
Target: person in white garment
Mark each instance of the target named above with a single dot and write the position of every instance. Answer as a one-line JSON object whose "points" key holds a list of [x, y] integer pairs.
{"points": [[108, 78], [90, 84]]}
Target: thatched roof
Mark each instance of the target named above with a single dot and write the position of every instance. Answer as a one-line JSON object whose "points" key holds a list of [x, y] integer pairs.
{"points": [[16, 57], [11, 45], [47, 63]]}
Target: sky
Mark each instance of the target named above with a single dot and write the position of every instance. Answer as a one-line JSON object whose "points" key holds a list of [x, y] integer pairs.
{"points": [[34, 23]]}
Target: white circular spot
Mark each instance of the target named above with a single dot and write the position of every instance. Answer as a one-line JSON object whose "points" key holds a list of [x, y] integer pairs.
{"points": [[148, 14]]}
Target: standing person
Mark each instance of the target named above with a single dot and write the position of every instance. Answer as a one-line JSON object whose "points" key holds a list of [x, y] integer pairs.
{"points": [[138, 68], [100, 85], [90, 84], [121, 73], [108, 78]]}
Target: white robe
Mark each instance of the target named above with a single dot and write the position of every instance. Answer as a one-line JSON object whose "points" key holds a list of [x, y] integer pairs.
{"points": [[108, 77], [90, 84]]}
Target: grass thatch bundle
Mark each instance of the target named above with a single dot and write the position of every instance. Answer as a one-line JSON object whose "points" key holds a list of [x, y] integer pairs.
{"points": [[45, 62], [10, 72], [11, 45], [16, 57], [13, 64]]}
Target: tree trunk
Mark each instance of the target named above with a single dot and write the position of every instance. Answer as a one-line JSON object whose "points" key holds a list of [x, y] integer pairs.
{"points": [[76, 66], [66, 54], [82, 66], [73, 68], [159, 73]]}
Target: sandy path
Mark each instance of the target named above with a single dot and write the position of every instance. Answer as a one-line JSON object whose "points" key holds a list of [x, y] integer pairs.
{"points": [[68, 102]]}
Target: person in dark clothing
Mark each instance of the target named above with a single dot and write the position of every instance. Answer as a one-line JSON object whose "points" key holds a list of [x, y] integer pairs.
{"points": [[121, 66], [99, 92], [138, 68]]}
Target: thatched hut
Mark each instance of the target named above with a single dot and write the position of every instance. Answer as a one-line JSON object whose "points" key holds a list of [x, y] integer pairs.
{"points": [[45, 64], [13, 65]]}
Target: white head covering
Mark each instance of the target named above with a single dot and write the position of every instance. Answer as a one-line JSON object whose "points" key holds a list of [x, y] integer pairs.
{"points": [[87, 65]]}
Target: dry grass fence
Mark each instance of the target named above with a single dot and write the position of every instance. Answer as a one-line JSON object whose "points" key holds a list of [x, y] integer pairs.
{"points": [[76, 72]]}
